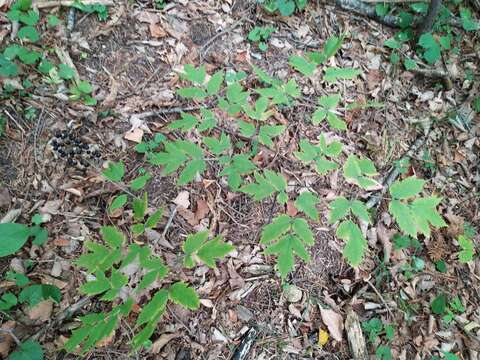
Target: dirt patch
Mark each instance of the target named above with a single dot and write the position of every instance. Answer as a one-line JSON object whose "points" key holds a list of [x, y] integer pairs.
{"points": [[201, 32]]}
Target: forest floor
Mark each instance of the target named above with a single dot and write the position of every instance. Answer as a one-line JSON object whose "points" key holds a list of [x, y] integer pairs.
{"points": [[131, 61]]}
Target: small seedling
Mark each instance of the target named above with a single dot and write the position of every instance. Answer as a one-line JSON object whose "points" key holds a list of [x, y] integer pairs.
{"points": [[260, 35]]}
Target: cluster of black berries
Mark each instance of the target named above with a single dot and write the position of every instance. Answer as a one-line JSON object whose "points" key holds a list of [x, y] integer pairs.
{"points": [[67, 145]]}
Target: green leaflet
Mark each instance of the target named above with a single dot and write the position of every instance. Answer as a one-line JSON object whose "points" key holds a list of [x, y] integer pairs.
{"points": [[407, 188], [467, 249], [114, 172], [198, 249], [356, 244], [186, 296], [287, 237], [331, 46], [334, 74], [118, 202], [327, 110], [358, 171], [27, 350], [34, 294], [302, 65], [307, 202], [266, 185], [12, 238]]}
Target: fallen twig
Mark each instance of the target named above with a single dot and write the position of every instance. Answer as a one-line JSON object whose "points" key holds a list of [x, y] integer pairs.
{"points": [[436, 74], [10, 333], [394, 172], [68, 312]]}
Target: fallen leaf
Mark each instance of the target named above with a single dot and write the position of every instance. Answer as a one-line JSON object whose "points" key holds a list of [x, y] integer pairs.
{"points": [[182, 199], [291, 209], [134, 135], [41, 312], [51, 207], [202, 210], [187, 215], [162, 341], [334, 323], [75, 192], [157, 31], [323, 337], [5, 339]]}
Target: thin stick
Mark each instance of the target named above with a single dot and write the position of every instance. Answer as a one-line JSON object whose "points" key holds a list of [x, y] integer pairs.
{"points": [[169, 223], [381, 297], [72, 309], [11, 334]]}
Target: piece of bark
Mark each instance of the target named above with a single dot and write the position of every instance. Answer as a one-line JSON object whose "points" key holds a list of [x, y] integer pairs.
{"points": [[356, 341]]}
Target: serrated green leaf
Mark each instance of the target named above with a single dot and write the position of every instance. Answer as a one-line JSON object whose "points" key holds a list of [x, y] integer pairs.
{"points": [[307, 202], [66, 72], [118, 202], [153, 219], [339, 208], [192, 93], [323, 165], [334, 74], [194, 167], [403, 216], [195, 75], [246, 129], [140, 182], [355, 242], [33, 294], [330, 101], [406, 188], [99, 258], [302, 230], [331, 46], [277, 227], [285, 255], [439, 304], [139, 206], [218, 146], [153, 311], [29, 32], [186, 296], [213, 250], [335, 122], [112, 236], [114, 172], [468, 249], [185, 123], [302, 65], [267, 132], [194, 242], [359, 209], [215, 82]]}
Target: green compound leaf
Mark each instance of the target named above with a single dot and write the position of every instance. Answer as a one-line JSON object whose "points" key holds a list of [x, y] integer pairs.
{"points": [[195, 75], [356, 244], [235, 167], [218, 146], [315, 153], [287, 237], [12, 238], [432, 48], [307, 202], [186, 123], [334, 74], [153, 219], [114, 172], [359, 209], [265, 185], [302, 65], [426, 214], [99, 257], [186, 296], [267, 132], [28, 350], [139, 206], [407, 188], [118, 202], [439, 304], [468, 249], [177, 154], [66, 72], [198, 249]]}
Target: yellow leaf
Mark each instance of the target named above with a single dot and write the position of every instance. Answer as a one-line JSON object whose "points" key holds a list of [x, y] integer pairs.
{"points": [[323, 337]]}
